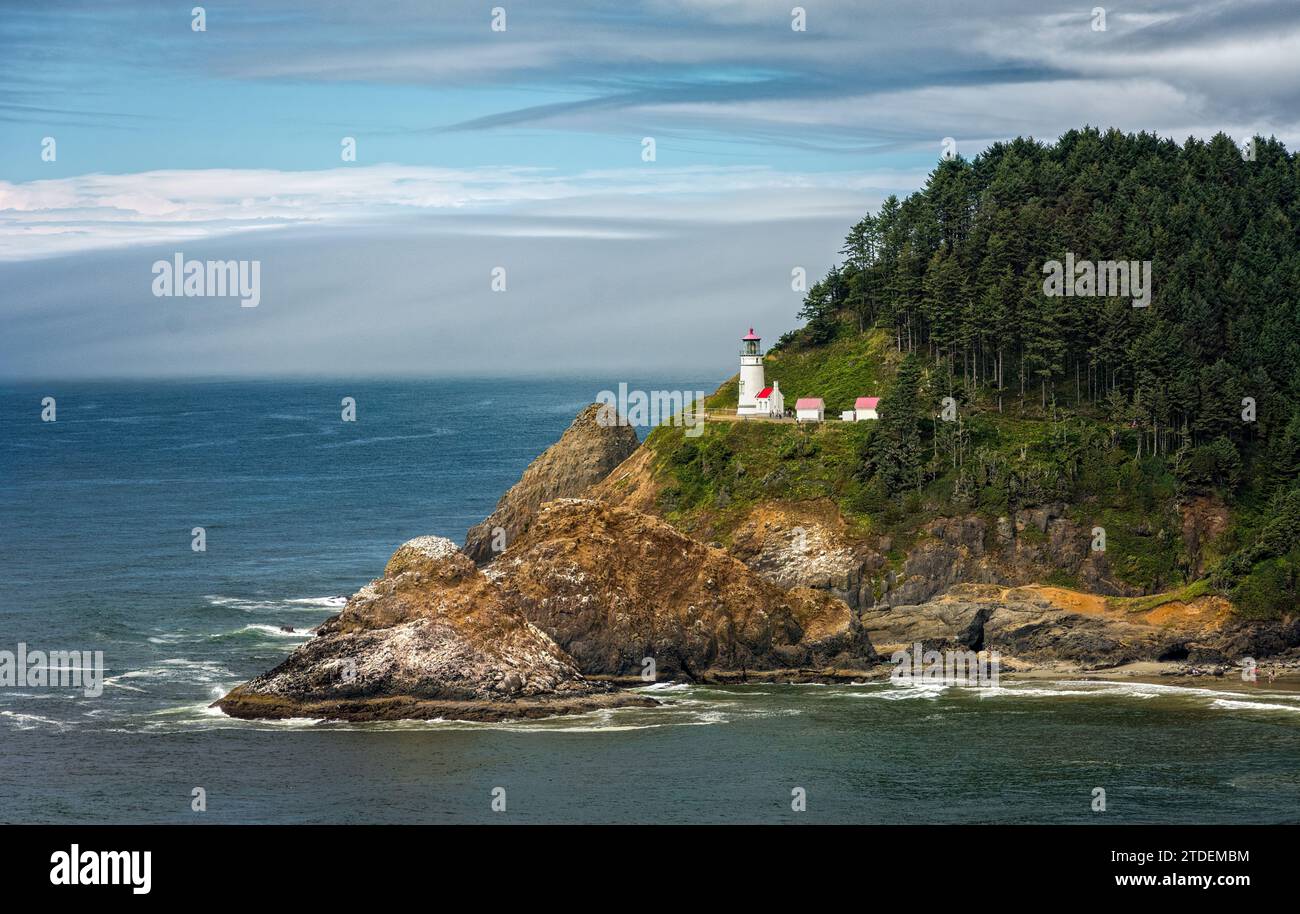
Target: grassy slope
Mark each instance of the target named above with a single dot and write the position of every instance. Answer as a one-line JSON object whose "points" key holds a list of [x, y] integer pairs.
{"points": [[840, 372]]}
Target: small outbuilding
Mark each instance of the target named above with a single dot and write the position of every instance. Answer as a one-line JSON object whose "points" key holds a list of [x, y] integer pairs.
{"points": [[809, 409], [865, 408]]}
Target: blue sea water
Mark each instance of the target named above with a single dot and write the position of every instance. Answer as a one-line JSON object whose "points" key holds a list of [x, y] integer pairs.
{"points": [[300, 509]]}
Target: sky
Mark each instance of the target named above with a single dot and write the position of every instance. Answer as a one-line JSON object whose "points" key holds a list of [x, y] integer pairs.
{"points": [[518, 154]]}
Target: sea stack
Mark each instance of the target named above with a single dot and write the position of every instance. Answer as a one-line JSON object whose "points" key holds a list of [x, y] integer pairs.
{"points": [[432, 638]]}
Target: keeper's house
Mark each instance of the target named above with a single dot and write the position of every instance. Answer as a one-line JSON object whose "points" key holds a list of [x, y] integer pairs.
{"points": [[771, 402]]}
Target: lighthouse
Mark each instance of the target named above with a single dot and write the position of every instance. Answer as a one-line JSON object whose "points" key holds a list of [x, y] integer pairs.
{"points": [[751, 375]]}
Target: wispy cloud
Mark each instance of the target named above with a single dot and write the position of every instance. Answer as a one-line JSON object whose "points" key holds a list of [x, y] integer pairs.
{"points": [[724, 69], [66, 215]]}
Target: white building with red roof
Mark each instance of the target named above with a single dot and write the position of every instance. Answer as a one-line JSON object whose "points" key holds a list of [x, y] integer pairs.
{"points": [[809, 409], [865, 408], [771, 402]]}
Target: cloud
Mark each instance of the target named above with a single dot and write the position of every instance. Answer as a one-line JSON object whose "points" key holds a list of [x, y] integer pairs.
{"points": [[725, 69], [656, 291], [87, 212]]}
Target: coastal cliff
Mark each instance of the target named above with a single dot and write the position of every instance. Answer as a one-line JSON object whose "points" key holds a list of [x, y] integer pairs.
{"points": [[583, 456], [813, 542]]}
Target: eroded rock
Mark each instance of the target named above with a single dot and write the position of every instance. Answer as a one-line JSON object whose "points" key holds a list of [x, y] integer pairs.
{"points": [[585, 454], [1041, 623], [614, 586]]}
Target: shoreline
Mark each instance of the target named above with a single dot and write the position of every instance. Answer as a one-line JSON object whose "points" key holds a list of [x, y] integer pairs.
{"points": [[1152, 672], [1157, 672]]}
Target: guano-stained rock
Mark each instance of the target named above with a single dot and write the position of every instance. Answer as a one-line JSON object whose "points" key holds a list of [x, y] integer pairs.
{"points": [[433, 638]]}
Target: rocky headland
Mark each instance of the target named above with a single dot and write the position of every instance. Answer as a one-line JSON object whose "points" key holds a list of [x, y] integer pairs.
{"points": [[600, 591]]}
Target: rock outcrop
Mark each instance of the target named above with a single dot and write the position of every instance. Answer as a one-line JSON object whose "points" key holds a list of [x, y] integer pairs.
{"points": [[614, 586], [810, 544], [805, 544], [588, 450], [432, 638], [1043, 624]]}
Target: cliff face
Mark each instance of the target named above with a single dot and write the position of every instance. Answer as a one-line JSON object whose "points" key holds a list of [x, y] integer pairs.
{"points": [[956, 573], [1039, 544], [583, 456], [431, 638], [614, 586], [809, 543]]}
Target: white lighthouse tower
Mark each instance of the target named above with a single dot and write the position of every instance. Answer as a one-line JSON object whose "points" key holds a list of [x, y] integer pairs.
{"points": [[751, 375]]}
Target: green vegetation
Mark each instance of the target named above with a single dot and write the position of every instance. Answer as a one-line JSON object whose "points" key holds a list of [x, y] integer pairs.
{"points": [[1126, 415], [733, 465], [1198, 588]]}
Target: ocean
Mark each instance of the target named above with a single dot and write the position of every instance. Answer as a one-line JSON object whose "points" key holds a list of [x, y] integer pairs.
{"points": [[299, 509]]}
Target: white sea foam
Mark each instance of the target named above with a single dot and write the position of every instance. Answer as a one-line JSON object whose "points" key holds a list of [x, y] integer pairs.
{"points": [[291, 604], [1220, 699], [271, 631], [175, 669], [320, 601], [1229, 705], [169, 638], [379, 439], [1014, 691], [904, 690], [605, 720], [1152, 689], [31, 721]]}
